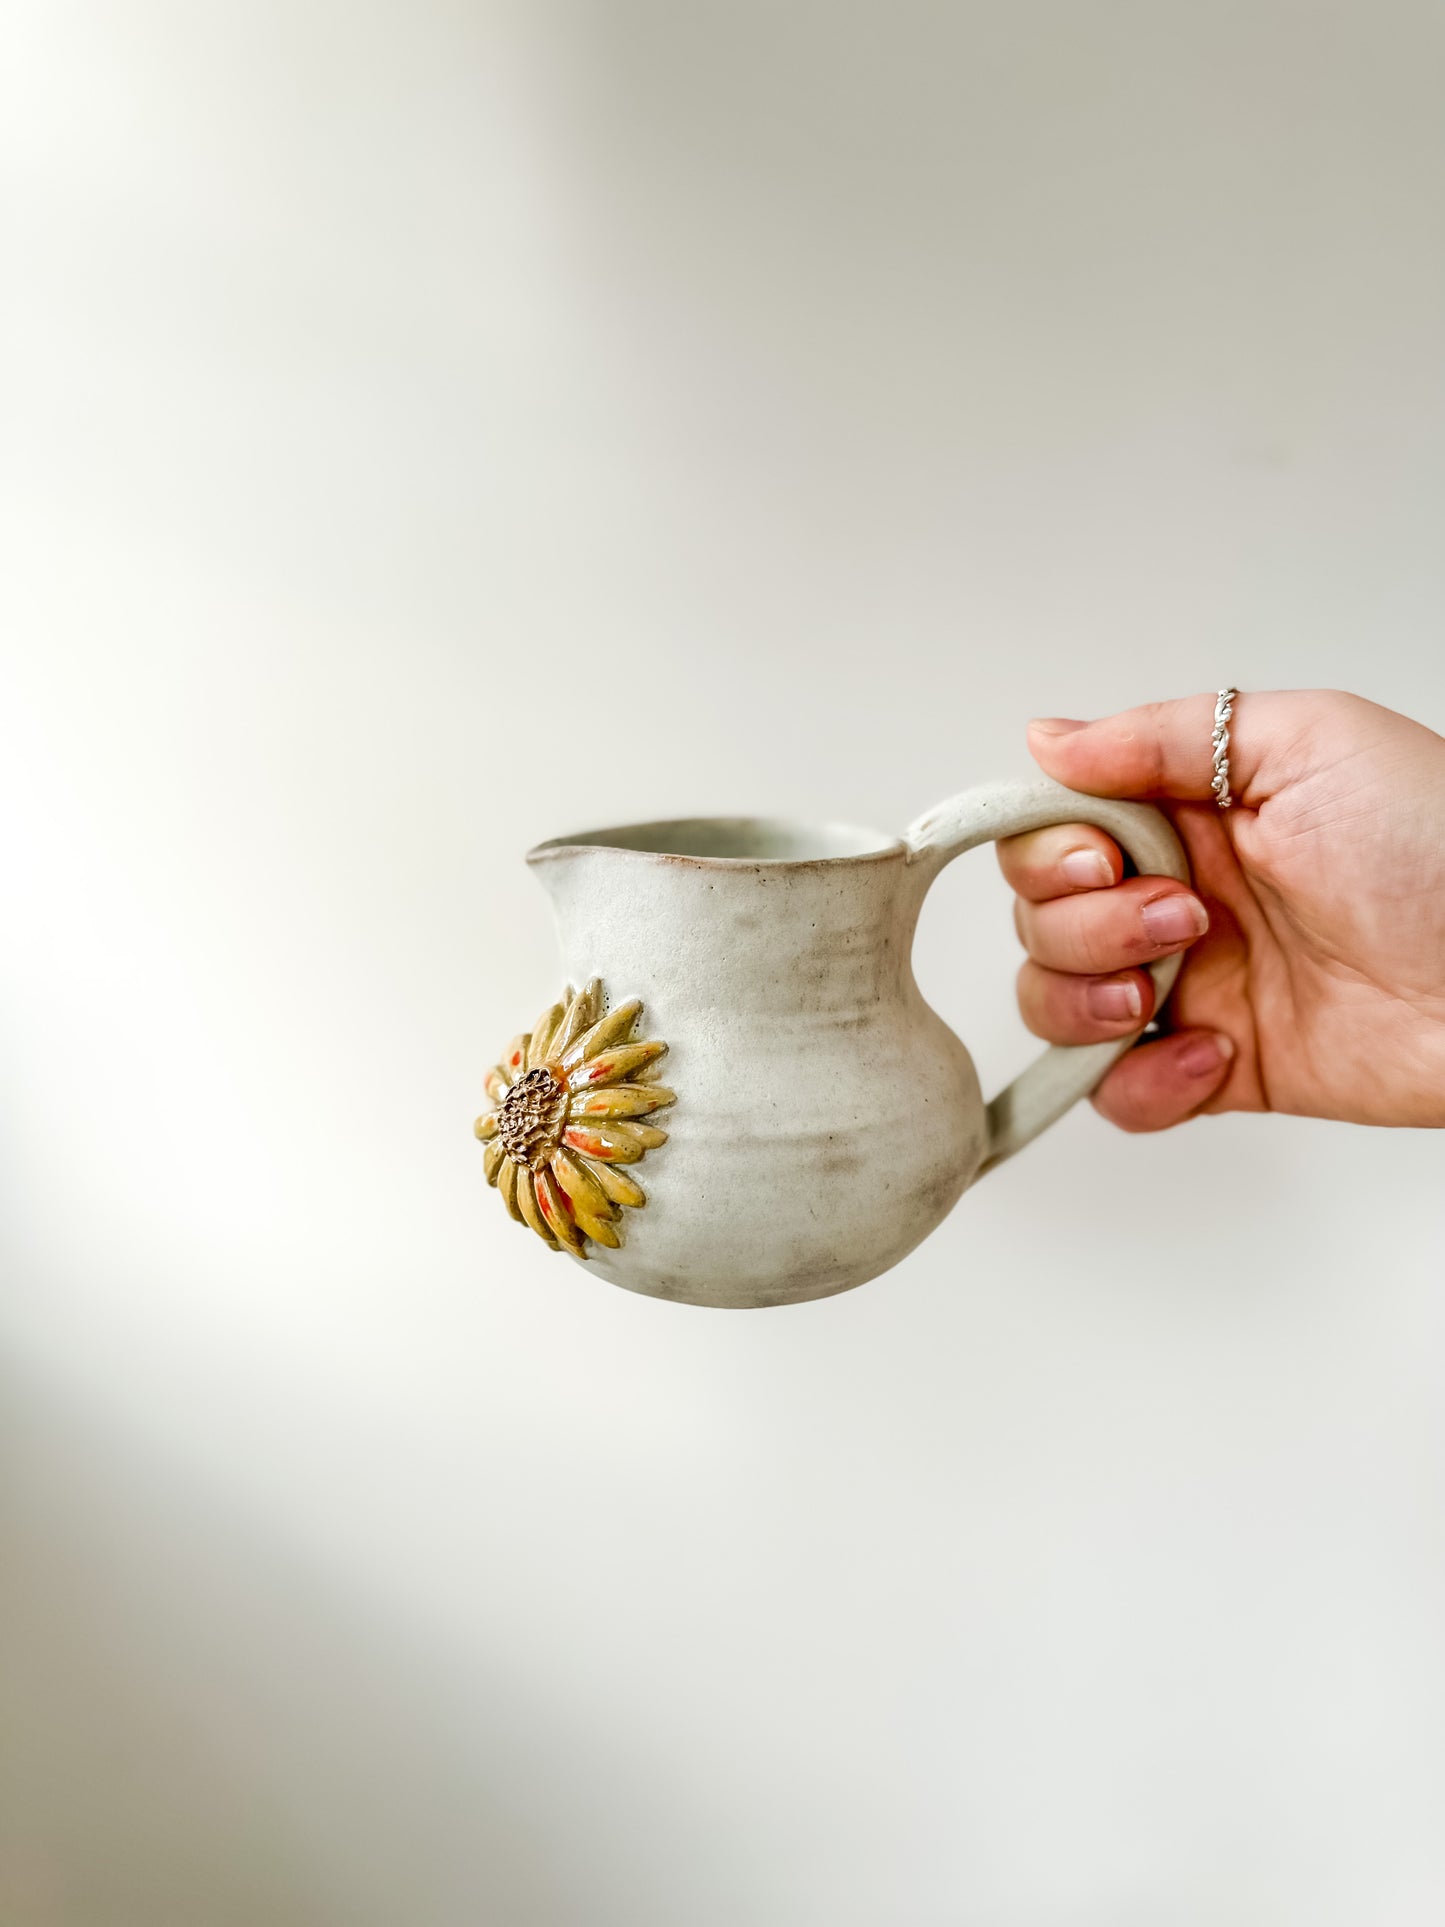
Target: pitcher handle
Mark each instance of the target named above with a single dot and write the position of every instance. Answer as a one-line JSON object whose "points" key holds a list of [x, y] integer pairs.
{"points": [[1056, 1080]]}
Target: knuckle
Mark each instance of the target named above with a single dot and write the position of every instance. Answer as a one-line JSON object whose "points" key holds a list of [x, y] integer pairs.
{"points": [[1033, 987], [1155, 736], [1130, 1098], [1096, 944], [1121, 1108]]}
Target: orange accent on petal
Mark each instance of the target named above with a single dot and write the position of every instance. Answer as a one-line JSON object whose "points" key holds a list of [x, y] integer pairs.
{"points": [[528, 1208], [558, 1212], [618, 1063], [588, 1143], [614, 1028], [613, 1143]]}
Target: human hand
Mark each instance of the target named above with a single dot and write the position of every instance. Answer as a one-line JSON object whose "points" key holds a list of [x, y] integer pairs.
{"points": [[1315, 976]]}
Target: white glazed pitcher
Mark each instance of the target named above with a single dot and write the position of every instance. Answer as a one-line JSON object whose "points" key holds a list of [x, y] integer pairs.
{"points": [[748, 1101]]}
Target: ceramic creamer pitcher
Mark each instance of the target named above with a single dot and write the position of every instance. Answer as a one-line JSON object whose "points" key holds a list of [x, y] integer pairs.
{"points": [[748, 1102]]}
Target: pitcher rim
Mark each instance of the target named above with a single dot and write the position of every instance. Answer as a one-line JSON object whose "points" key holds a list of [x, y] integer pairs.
{"points": [[579, 842]]}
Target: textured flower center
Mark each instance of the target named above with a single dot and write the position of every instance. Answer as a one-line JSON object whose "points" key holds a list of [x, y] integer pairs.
{"points": [[532, 1118]]}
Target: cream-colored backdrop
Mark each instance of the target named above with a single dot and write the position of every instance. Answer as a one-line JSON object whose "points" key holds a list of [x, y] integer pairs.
{"points": [[432, 427]]}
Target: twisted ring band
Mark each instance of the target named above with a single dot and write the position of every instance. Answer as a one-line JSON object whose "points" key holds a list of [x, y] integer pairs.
{"points": [[1223, 710]]}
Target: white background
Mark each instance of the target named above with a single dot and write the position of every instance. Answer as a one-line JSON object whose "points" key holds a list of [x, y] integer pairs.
{"points": [[434, 427]]}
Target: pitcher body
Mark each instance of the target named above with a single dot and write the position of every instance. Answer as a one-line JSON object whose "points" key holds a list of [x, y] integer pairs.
{"points": [[825, 1117]]}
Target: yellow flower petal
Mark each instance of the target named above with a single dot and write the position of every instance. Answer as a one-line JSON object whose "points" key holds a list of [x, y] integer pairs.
{"points": [[612, 1142], [621, 1100], [582, 1189], [612, 1066], [486, 1125], [591, 1206], [558, 1213], [497, 1084], [580, 1015], [527, 1200], [507, 1185], [614, 1028], [619, 1186], [492, 1160], [546, 1030]]}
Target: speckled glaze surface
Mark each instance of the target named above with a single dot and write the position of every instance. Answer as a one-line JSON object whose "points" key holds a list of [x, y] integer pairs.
{"points": [[825, 1118]]}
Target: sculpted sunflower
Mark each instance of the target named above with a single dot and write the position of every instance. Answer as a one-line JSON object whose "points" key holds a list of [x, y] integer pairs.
{"points": [[567, 1099]]}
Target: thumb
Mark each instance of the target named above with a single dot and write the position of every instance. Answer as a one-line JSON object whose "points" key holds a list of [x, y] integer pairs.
{"points": [[1162, 749]]}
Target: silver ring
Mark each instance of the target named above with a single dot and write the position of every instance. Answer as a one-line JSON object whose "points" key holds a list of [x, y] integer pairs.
{"points": [[1223, 710]]}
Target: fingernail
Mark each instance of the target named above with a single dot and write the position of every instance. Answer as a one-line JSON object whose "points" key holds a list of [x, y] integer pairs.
{"points": [[1056, 725], [1086, 869], [1174, 919], [1115, 1002], [1203, 1055]]}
